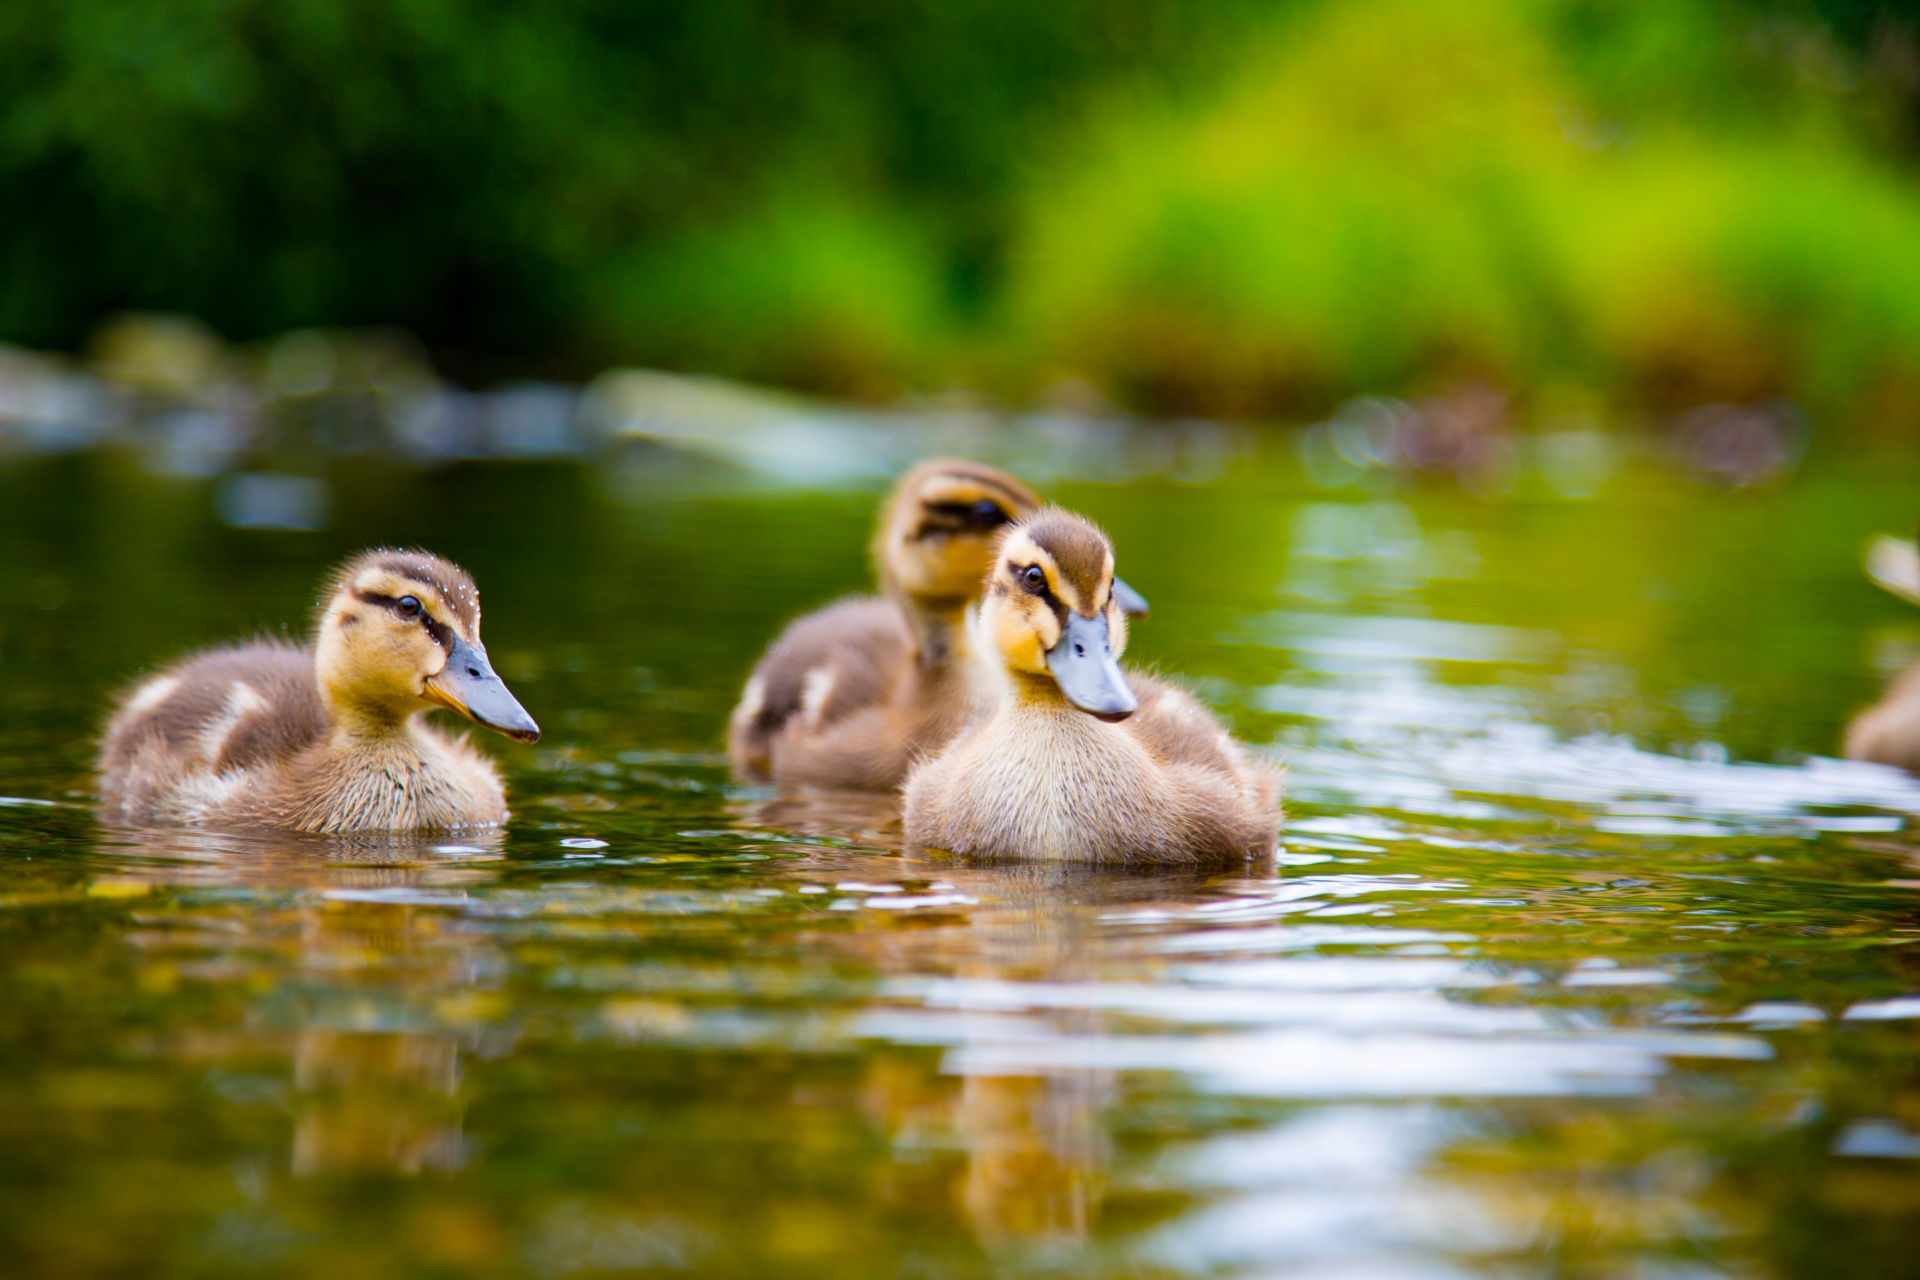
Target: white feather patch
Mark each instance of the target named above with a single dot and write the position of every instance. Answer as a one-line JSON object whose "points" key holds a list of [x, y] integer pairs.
{"points": [[752, 698], [1894, 563], [152, 694], [814, 692], [242, 701]]}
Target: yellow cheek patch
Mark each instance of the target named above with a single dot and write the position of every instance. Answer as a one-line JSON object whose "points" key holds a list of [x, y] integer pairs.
{"points": [[1021, 635], [1024, 629], [1046, 627]]}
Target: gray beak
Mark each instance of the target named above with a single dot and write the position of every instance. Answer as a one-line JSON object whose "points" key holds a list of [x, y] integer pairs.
{"points": [[1082, 664], [468, 685], [1131, 602]]}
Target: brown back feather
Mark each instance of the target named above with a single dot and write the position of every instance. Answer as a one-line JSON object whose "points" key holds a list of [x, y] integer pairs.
{"points": [[280, 674], [861, 639]]}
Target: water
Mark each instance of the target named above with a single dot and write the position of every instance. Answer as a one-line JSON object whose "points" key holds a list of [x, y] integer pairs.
{"points": [[1581, 959]]}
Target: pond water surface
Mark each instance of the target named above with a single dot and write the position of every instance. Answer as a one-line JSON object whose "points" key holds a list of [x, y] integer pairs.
{"points": [[1582, 956]]}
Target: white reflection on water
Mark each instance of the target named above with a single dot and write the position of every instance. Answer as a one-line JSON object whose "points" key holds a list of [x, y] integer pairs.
{"points": [[1342, 1042], [1401, 740], [1382, 727], [1340, 643], [1330, 1192]]}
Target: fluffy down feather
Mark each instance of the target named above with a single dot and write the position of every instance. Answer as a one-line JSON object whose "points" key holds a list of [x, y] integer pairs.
{"points": [[240, 736], [1040, 779]]}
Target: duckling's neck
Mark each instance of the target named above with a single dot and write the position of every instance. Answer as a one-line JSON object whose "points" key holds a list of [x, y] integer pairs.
{"points": [[939, 632], [357, 724], [379, 746], [1040, 695]]}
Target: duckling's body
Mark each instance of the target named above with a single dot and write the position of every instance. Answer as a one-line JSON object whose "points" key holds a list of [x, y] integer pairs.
{"points": [[849, 696], [852, 701], [1888, 732], [1080, 762], [1042, 779], [241, 736], [329, 738]]}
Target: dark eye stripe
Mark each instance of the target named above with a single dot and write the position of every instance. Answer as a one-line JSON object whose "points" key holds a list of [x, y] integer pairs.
{"points": [[442, 633], [979, 511], [949, 517], [1044, 591]]}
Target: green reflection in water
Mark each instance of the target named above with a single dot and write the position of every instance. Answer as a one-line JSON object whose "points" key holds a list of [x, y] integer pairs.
{"points": [[1549, 981]]}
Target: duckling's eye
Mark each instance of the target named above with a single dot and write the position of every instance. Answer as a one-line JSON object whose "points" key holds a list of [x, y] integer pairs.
{"points": [[1035, 577], [987, 514], [409, 606]]}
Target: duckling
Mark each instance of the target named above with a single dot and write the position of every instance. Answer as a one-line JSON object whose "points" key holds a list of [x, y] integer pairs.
{"points": [[849, 696], [1080, 761], [328, 738], [1888, 732]]}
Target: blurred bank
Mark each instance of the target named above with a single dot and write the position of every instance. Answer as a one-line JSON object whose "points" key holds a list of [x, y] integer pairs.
{"points": [[265, 427], [1236, 209]]}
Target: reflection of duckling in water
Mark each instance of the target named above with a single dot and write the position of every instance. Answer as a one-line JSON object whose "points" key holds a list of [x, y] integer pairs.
{"points": [[327, 739], [850, 695], [1053, 772], [376, 1101], [1888, 732]]}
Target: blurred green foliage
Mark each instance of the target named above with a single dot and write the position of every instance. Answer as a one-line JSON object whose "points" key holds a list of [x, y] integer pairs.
{"points": [[503, 176], [1242, 206], [1641, 197]]}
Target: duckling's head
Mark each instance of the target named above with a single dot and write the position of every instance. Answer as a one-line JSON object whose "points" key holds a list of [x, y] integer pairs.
{"points": [[937, 534], [400, 633], [1053, 613]]}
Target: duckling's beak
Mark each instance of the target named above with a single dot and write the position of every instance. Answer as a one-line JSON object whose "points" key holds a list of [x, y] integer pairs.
{"points": [[468, 685], [1083, 666], [1131, 602]]}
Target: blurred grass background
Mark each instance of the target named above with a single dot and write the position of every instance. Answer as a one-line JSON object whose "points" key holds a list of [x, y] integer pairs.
{"points": [[1234, 207]]}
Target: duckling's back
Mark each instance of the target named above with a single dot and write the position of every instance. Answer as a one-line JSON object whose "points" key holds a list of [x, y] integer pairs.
{"points": [[825, 667], [185, 741]]}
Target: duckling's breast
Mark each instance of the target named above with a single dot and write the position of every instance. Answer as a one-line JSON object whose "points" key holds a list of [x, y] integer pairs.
{"points": [[413, 779], [1045, 783]]}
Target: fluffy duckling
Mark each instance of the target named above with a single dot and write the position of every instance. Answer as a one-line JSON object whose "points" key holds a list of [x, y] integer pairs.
{"points": [[849, 696], [1888, 732], [1082, 762], [328, 738]]}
